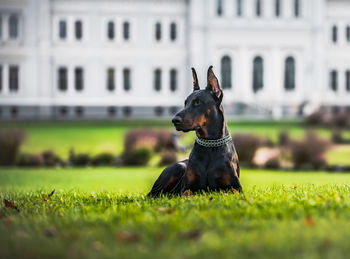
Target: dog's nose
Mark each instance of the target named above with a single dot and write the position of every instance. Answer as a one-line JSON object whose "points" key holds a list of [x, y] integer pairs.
{"points": [[177, 120]]}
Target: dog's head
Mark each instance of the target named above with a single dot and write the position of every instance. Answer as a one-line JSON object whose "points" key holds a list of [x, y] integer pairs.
{"points": [[201, 106]]}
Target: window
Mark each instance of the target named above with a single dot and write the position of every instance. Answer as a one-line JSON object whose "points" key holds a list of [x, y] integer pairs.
{"points": [[13, 78], [226, 76], [127, 79], [219, 9], [110, 30], [239, 10], [79, 78], [173, 31], [258, 8], [278, 8], [173, 80], [334, 33], [347, 80], [157, 83], [13, 26], [112, 111], [334, 80], [110, 79], [78, 30], [289, 74], [0, 27], [62, 27], [79, 111], [0, 78], [348, 33], [62, 79], [296, 8], [258, 74], [126, 30], [158, 31]]}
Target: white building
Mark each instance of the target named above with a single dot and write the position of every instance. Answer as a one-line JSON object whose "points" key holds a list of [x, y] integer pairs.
{"points": [[118, 58]]}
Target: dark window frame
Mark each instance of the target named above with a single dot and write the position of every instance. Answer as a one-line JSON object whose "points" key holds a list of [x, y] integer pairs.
{"points": [[79, 79], [226, 72], [13, 78], [173, 31], [297, 11], [258, 8], [289, 74], [347, 33], [78, 28], [62, 80], [158, 31], [277, 8], [110, 30], [126, 30], [13, 26], [1, 76], [62, 29], [239, 8], [347, 80], [111, 79], [157, 80], [127, 79], [334, 34], [258, 74], [334, 80], [219, 7], [173, 79]]}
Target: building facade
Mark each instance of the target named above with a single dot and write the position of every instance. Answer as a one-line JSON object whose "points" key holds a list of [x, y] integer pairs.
{"points": [[64, 59]]}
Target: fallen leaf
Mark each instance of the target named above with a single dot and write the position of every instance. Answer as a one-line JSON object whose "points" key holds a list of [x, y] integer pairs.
{"points": [[51, 193], [309, 221], [336, 196], [320, 196], [127, 237], [10, 204]]}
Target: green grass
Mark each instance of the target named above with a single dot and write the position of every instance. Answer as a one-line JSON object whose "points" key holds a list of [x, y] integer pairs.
{"points": [[103, 213]]}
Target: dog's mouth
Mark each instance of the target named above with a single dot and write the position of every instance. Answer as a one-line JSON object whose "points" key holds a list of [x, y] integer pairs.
{"points": [[184, 127]]}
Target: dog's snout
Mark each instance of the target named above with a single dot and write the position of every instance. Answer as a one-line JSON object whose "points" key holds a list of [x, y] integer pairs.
{"points": [[177, 120]]}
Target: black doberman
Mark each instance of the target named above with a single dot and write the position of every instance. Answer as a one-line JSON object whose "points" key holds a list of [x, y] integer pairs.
{"points": [[213, 162]]}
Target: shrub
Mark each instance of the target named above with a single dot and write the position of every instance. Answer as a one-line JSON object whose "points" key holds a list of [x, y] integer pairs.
{"points": [[283, 138], [165, 140], [30, 160], [246, 146], [168, 158], [340, 120], [78, 159], [309, 152], [103, 159], [51, 159], [273, 163], [137, 157], [315, 118], [10, 144]]}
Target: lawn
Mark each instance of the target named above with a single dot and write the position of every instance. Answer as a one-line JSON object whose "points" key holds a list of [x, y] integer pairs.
{"points": [[97, 137], [103, 213]]}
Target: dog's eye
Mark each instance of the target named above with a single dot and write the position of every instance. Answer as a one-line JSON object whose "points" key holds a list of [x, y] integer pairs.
{"points": [[196, 102]]}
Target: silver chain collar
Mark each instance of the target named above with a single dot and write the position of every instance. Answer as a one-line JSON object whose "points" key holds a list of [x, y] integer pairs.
{"points": [[214, 142]]}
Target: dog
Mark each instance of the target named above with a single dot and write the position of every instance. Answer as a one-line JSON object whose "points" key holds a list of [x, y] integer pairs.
{"points": [[213, 162]]}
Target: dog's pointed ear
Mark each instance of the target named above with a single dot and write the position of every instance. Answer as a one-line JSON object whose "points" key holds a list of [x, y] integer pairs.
{"points": [[195, 80], [213, 84]]}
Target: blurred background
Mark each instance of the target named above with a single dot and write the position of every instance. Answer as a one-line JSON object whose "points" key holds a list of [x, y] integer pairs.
{"points": [[87, 82]]}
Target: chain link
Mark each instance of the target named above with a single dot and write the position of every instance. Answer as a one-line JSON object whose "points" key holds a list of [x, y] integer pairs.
{"points": [[214, 142]]}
